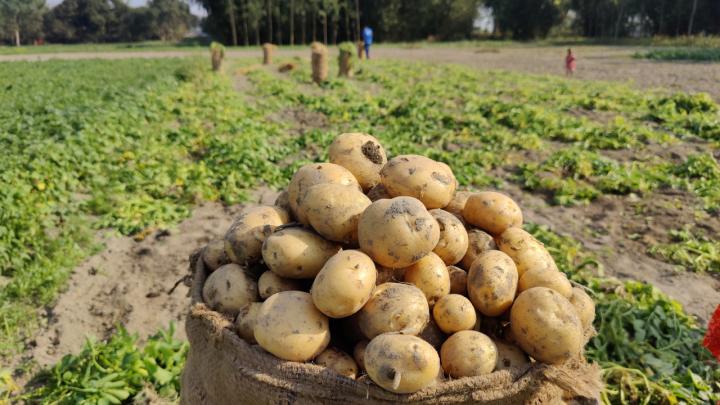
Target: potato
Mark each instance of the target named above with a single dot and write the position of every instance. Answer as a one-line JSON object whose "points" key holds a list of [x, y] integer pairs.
{"points": [[492, 212], [386, 275], [244, 239], [492, 282], [283, 201], [338, 361], [291, 328], [359, 353], [270, 283], [394, 307], [430, 275], [584, 306], [397, 232], [433, 335], [468, 353], [453, 243], [526, 251], [509, 356], [245, 321], [400, 363], [546, 278], [454, 313], [431, 182], [228, 288], [333, 210], [478, 242], [214, 255], [378, 193], [361, 154], [457, 204], [310, 175], [546, 325], [458, 280], [297, 252], [344, 284]]}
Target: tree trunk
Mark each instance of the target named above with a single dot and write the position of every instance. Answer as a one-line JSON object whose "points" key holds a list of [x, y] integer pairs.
{"points": [[347, 23], [619, 19], [233, 30], [257, 34], [357, 19], [245, 28], [302, 28], [17, 37], [314, 25], [269, 22], [692, 17], [335, 30], [292, 22], [325, 29]]}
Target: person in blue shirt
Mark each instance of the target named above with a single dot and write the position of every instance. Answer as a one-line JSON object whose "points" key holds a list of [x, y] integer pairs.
{"points": [[367, 35]]}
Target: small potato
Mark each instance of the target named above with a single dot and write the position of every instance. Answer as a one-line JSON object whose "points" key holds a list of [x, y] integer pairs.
{"points": [[245, 321], [333, 210], [468, 353], [398, 232], [509, 356], [400, 363], [297, 252], [270, 283], [344, 284], [228, 288], [454, 313], [453, 243], [546, 278], [338, 361], [431, 182], [458, 280], [214, 254], [433, 335], [457, 204], [478, 242], [244, 239], [584, 305], [359, 353], [283, 201], [492, 282], [386, 275], [378, 193], [310, 175], [492, 212], [430, 275], [394, 307], [361, 154], [290, 327], [526, 251], [546, 325]]}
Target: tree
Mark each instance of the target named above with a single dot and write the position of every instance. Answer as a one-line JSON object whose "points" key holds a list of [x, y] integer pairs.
{"points": [[525, 19], [21, 17], [171, 19]]}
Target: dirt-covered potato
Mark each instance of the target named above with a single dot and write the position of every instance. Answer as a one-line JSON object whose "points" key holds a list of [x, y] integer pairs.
{"points": [[397, 232], [478, 242], [297, 252], [213, 255], [454, 313], [431, 182], [394, 307], [526, 251], [244, 239], [361, 154], [333, 210], [283, 201], [338, 361], [453, 243], [492, 212], [344, 284], [378, 193], [245, 321], [584, 306], [387, 275], [546, 325], [468, 353], [492, 282], [509, 356], [430, 275], [359, 353], [433, 335], [290, 327], [556, 280], [310, 175], [458, 280], [457, 204], [400, 363], [270, 283], [228, 288]]}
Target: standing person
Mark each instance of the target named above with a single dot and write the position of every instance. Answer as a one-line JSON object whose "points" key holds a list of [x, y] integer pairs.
{"points": [[367, 39], [570, 63]]}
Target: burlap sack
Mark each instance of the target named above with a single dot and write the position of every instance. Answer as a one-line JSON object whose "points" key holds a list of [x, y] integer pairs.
{"points": [[345, 64], [222, 368], [268, 50], [216, 58], [319, 62]]}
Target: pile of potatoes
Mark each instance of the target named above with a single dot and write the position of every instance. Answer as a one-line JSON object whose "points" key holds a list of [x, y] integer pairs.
{"points": [[372, 266]]}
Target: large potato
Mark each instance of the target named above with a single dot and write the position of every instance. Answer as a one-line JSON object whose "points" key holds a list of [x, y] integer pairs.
{"points": [[492, 282], [526, 251], [457, 204], [401, 363], [333, 210], [509, 356], [310, 175], [344, 284], [431, 182], [213, 255], [228, 288], [245, 321], [361, 154], [394, 307], [478, 242], [546, 325], [297, 252], [338, 361], [454, 313], [430, 275], [546, 278], [468, 353], [244, 239], [270, 283], [398, 232], [492, 212], [453, 243], [458, 280], [290, 327], [584, 306]]}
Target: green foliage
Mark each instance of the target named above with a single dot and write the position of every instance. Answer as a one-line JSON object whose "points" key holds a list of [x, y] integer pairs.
{"points": [[694, 54], [690, 252]]}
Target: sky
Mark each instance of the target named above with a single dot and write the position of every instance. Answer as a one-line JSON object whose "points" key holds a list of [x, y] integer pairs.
{"points": [[197, 10]]}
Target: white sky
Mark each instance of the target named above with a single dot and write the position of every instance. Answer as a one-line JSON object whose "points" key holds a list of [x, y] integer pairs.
{"points": [[197, 10]]}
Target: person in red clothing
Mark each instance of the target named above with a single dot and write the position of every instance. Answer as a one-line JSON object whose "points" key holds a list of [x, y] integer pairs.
{"points": [[570, 63], [712, 338]]}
